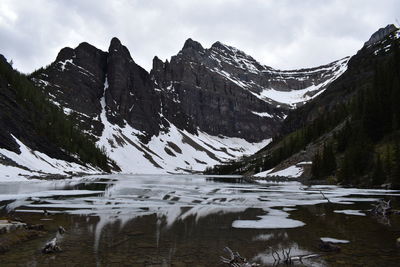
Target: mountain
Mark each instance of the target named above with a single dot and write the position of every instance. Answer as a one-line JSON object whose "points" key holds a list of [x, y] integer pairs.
{"points": [[201, 108], [350, 133], [234, 94], [37, 137]]}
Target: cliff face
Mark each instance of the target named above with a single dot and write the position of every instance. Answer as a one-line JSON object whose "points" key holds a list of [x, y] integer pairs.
{"points": [[202, 107], [81, 77], [227, 92]]}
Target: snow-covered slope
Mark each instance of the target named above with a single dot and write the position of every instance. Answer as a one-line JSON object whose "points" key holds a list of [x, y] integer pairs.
{"points": [[173, 151], [282, 87], [34, 163], [296, 97]]}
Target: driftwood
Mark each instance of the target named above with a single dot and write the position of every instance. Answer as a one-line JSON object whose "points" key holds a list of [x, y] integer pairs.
{"points": [[285, 258], [235, 260], [383, 208], [323, 195], [52, 246], [328, 246], [282, 257]]}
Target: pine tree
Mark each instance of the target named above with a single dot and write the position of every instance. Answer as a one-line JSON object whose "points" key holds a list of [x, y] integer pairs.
{"points": [[316, 167], [378, 174], [395, 176], [328, 160]]}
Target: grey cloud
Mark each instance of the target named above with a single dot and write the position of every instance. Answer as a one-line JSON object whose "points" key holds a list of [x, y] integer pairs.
{"points": [[282, 34]]}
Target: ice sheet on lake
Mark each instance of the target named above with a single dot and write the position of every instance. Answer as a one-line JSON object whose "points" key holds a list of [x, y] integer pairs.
{"points": [[351, 212], [275, 219], [334, 240], [175, 198]]}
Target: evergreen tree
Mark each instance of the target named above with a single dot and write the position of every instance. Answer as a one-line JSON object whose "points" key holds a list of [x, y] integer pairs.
{"points": [[395, 175], [316, 167], [328, 160], [378, 174]]}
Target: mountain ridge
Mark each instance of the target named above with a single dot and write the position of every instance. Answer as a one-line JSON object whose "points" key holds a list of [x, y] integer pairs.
{"points": [[203, 107], [349, 134]]}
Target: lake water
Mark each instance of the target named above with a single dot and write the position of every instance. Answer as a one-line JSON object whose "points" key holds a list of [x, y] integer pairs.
{"points": [[187, 220]]}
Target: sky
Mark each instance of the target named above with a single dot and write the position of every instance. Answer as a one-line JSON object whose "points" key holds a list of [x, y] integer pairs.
{"points": [[284, 34]]}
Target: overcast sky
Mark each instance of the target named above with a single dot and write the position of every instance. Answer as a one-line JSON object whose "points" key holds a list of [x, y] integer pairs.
{"points": [[279, 33]]}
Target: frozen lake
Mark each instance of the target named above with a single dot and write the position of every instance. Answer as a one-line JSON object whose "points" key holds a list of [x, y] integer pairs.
{"points": [[187, 220]]}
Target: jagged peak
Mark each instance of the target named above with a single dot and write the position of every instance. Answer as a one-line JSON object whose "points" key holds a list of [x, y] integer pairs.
{"points": [[65, 53], [115, 44], [157, 63], [117, 48], [381, 34], [191, 44], [115, 41], [86, 46], [219, 46]]}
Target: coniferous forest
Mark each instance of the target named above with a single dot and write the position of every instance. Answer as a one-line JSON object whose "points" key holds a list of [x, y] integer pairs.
{"points": [[49, 120], [358, 140]]}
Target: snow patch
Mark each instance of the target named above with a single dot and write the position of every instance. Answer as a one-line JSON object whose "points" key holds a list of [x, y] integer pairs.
{"points": [[275, 219], [291, 172], [334, 240], [263, 114], [351, 212], [38, 162]]}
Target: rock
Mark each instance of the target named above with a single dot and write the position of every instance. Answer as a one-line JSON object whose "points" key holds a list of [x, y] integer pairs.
{"points": [[381, 34], [328, 247], [38, 227], [51, 247], [9, 226], [130, 96], [10, 239]]}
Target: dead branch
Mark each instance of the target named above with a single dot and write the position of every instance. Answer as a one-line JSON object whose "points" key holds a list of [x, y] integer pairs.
{"points": [[383, 208], [322, 193], [285, 258], [235, 260]]}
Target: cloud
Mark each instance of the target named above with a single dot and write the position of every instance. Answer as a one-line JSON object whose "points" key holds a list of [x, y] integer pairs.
{"points": [[283, 34]]}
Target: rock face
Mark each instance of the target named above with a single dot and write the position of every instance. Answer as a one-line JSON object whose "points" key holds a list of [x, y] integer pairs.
{"points": [[76, 81], [203, 107], [227, 92], [130, 97], [381, 34]]}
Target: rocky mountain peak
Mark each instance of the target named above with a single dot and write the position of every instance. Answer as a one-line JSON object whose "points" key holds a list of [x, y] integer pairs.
{"points": [[4, 60], [157, 63], [116, 48], [65, 53], [223, 47], [115, 43], [381, 34], [191, 44]]}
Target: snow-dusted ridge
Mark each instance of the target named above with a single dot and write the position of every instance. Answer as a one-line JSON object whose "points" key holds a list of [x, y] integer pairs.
{"points": [[224, 57]]}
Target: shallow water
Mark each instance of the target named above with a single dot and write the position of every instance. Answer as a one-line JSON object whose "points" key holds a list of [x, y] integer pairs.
{"points": [[187, 220]]}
